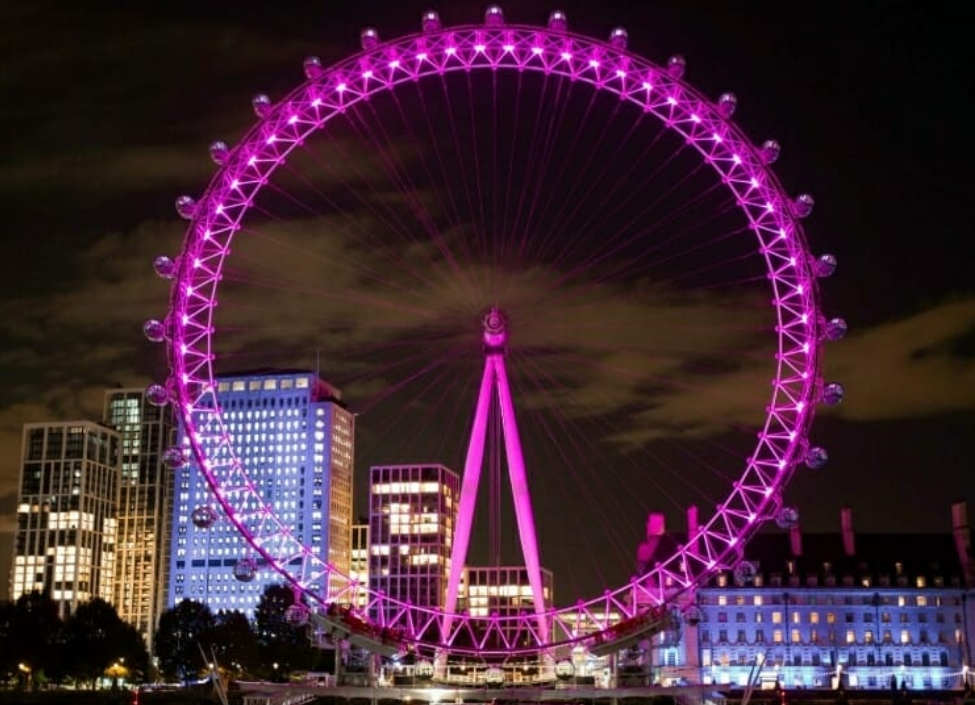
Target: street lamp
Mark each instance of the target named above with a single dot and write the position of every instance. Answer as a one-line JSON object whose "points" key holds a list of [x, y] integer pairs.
{"points": [[26, 669]]}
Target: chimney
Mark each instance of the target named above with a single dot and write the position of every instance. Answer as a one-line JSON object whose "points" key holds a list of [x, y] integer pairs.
{"points": [[656, 527], [692, 528], [795, 540], [963, 540], [846, 526]]}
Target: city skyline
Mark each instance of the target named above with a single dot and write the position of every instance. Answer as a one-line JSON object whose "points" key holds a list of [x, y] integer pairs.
{"points": [[867, 122]]}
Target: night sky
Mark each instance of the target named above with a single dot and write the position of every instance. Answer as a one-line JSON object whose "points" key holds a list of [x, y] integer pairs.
{"points": [[108, 110]]}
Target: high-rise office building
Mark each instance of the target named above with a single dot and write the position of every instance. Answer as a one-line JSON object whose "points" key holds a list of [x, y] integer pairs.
{"points": [[294, 437], [144, 503], [66, 526], [412, 512], [502, 590], [359, 566]]}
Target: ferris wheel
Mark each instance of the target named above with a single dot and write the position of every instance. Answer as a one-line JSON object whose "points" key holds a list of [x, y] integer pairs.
{"points": [[609, 218]]}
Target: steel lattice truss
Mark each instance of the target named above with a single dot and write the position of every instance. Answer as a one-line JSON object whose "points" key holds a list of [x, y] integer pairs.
{"points": [[608, 66]]}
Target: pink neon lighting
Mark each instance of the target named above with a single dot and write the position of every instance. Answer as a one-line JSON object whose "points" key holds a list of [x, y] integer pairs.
{"points": [[495, 379], [743, 167]]}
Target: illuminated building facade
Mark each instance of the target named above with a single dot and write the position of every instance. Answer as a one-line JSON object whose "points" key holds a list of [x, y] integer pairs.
{"points": [[412, 513], [502, 590], [359, 565], [144, 507], [295, 438], [861, 609], [66, 527]]}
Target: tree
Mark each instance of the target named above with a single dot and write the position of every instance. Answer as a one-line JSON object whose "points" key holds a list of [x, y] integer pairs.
{"points": [[182, 630], [279, 641], [30, 629], [95, 639], [234, 643]]}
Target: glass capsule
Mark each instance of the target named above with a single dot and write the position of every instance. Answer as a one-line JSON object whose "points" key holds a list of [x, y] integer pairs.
{"points": [[174, 457], [297, 614], [558, 21], [157, 395], [312, 67], [165, 266], [494, 16], [261, 104], [203, 517], [835, 329], [245, 570], [369, 39], [727, 104], [186, 206], [154, 330], [816, 458], [218, 152], [745, 572], [803, 205], [618, 38], [431, 22], [787, 518], [693, 615], [824, 265], [769, 151], [676, 65], [833, 393]]}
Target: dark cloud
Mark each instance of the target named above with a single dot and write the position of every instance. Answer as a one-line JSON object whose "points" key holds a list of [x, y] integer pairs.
{"points": [[110, 109]]}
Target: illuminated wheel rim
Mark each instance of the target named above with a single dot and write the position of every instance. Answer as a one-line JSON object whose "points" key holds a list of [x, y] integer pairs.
{"points": [[608, 66]]}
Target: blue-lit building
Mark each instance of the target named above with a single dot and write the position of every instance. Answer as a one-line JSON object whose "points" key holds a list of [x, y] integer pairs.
{"points": [[295, 438], [823, 609]]}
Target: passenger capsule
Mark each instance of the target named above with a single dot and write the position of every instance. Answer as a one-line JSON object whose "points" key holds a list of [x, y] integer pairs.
{"points": [[219, 151], [676, 65], [494, 16], [297, 614], [204, 516], [618, 38], [824, 265], [157, 395], [165, 266], [816, 458], [154, 330], [245, 570], [312, 67], [835, 329], [693, 615], [431, 22], [803, 205], [369, 39], [174, 457], [186, 207], [558, 21], [787, 518], [769, 151], [833, 393], [727, 104], [261, 104], [745, 572]]}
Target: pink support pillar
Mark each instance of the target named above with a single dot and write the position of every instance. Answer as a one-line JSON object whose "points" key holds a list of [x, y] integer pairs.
{"points": [[495, 380], [468, 494], [519, 488]]}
